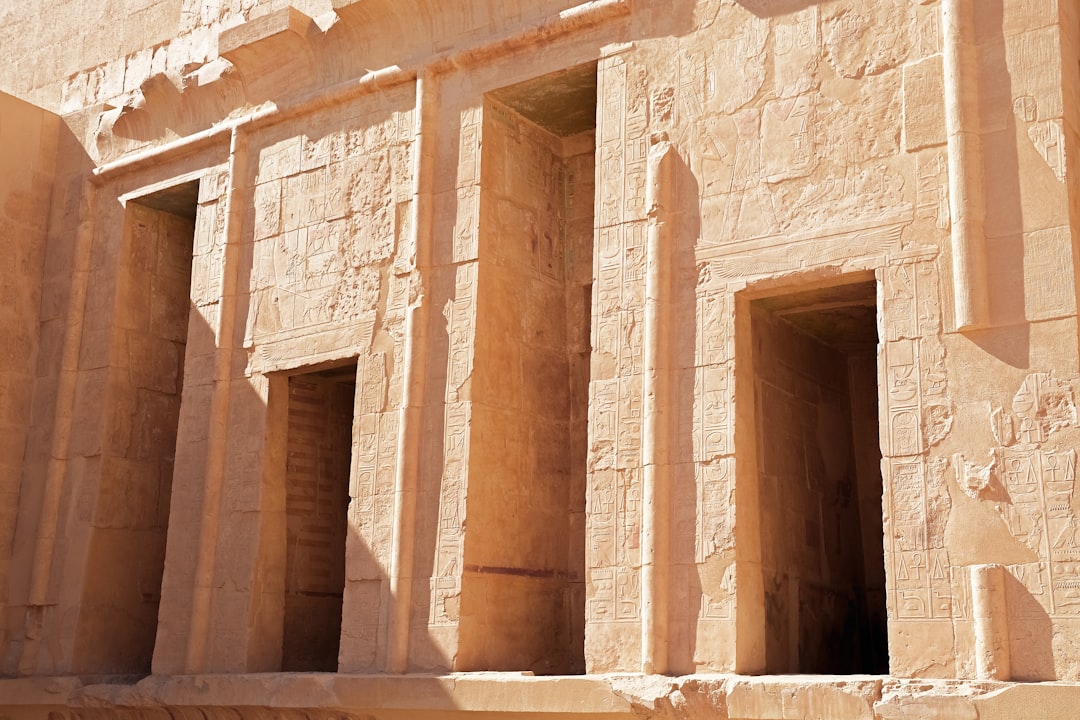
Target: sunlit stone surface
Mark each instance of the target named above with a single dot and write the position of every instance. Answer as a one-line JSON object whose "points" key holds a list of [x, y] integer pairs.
{"points": [[618, 359]]}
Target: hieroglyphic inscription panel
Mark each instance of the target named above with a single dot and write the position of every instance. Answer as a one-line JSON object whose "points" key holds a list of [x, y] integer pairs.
{"points": [[374, 457], [614, 509], [920, 584], [460, 316], [613, 554], [329, 211], [1031, 482], [916, 414], [209, 245]]}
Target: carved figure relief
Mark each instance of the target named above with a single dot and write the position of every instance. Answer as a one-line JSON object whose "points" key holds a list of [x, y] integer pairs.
{"points": [[324, 223]]}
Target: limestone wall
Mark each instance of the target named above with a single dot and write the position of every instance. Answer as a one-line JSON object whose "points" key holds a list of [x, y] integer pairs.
{"points": [[140, 380], [792, 203], [29, 138], [522, 599]]}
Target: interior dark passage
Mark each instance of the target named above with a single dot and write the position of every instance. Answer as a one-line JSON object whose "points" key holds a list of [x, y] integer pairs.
{"points": [[523, 593], [815, 376], [319, 450]]}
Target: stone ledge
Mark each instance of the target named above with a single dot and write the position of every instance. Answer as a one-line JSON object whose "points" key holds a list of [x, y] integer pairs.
{"points": [[463, 695], [271, 51], [260, 41]]}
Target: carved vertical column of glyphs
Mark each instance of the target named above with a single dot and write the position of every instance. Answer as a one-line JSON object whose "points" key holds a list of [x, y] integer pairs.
{"points": [[713, 446], [922, 591], [916, 414], [613, 582], [375, 437], [208, 245], [712, 439], [459, 313], [383, 424], [460, 316]]}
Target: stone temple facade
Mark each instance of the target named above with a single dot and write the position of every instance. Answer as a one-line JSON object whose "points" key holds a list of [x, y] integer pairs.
{"points": [[540, 358]]}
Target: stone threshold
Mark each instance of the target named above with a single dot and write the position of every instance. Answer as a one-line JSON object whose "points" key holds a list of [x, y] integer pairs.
{"points": [[318, 696]]}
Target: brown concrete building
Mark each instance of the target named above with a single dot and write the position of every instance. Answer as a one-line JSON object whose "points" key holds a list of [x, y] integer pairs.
{"points": [[539, 358]]}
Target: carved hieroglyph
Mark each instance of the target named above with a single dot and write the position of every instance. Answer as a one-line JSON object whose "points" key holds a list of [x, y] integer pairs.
{"points": [[923, 149], [329, 217]]}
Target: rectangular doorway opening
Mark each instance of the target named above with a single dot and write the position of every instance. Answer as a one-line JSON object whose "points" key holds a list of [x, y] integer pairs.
{"points": [[126, 553], [318, 461], [523, 593], [819, 475]]}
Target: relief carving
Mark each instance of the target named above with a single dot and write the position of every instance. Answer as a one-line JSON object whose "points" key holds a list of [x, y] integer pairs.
{"points": [[325, 226], [867, 39]]}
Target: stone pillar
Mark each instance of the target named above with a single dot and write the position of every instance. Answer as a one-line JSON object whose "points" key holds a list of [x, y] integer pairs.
{"points": [[656, 394], [991, 616], [967, 205]]}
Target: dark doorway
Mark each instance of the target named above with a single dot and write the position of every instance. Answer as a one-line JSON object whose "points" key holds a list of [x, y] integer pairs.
{"points": [[319, 452], [816, 397]]}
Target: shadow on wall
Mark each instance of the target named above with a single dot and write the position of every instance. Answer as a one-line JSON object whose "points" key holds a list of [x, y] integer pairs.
{"points": [[44, 167], [1009, 337], [776, 8], [165, 108], [1009, 126], [1031, 633]]}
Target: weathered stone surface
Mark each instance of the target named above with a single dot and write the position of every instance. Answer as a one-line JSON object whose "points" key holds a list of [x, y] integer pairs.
{"points": [[420, 341], [461, 695]]}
